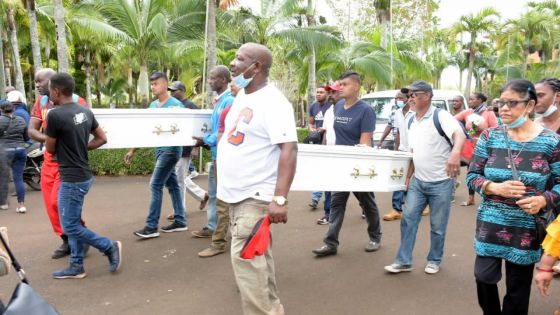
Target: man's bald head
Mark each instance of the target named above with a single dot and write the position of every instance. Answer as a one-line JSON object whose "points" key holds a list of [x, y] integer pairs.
{"points": [[42, 78], [219, 78], [222, 72], [259, 53]]}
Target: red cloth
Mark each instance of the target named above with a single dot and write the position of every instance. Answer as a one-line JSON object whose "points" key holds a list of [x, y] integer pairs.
{"points": [[223, 115], [468, 150], [257, 243]]}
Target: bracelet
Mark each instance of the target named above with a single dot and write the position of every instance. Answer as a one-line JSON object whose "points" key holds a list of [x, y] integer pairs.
{"points": [[485, 185], [544, 270]]}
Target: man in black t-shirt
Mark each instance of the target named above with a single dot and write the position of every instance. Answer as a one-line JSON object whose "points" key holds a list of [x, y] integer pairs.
{"points": [[68, 130]]}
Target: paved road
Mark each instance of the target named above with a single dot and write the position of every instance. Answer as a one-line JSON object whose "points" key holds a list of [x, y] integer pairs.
{"points": [[164, 275]]}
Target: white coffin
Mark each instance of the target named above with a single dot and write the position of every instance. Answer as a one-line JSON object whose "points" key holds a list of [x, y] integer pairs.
{"points": [[153, 127], [347, 168]]}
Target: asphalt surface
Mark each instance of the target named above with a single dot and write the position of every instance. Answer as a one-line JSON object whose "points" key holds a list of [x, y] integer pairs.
{"points": [[165, 275]]}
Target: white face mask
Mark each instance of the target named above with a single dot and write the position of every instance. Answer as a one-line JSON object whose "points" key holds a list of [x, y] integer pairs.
{"points": [[551, 109]]}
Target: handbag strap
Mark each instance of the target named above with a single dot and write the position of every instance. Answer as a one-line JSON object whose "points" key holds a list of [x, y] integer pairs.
{"points": [[15, 263]]}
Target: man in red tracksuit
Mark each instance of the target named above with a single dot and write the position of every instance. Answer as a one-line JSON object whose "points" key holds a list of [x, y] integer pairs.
{"points": [[50, 178]]}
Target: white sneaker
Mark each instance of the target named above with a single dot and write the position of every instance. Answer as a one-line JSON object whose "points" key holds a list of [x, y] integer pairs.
{"points": [[431, 268], [21, 209], [193, 174], [398, 268], [4, 207]]}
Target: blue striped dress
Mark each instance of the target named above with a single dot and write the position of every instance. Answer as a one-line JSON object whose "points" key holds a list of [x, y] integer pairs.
{"points": [[503, 229]]}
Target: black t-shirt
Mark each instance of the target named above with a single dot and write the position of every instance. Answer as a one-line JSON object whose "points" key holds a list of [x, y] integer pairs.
{"points": [[349, 124], [71, 126], [188, 104]]}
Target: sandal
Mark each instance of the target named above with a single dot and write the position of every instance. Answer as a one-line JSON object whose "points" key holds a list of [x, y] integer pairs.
{"points": [[466, 204]]}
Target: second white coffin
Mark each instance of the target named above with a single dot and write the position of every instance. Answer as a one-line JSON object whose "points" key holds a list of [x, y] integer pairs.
{"points": [[347, 168], [138, 128]]}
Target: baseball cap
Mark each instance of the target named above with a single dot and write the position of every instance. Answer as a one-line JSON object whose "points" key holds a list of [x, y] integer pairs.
{"points": [[336, 86], [15, 97], [420, 86], [177, 85]]}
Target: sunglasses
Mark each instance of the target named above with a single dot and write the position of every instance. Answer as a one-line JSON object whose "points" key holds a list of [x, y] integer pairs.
{"points": [[415, 94], [510, 103]]}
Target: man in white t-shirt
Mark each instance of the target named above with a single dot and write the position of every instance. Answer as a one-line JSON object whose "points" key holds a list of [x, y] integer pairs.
{"points": [[257, 157], [435, 164]]}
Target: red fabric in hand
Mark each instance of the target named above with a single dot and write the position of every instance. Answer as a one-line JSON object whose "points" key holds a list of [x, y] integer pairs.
{"points": [[258, 241]]}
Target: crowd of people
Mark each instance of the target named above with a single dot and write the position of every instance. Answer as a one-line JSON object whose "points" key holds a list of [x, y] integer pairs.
{"points": [[513, 164]]}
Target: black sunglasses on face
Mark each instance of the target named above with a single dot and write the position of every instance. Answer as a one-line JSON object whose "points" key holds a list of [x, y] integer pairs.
{"points": [[510, 103]]}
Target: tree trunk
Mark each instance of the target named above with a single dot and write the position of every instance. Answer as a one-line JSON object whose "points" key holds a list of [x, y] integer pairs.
{"points": [[15, 52], [471, 69], [130, 88], [312, 61], [525, 61], [88, 77], [2, 70], [211, 51], [34, 35], [48, 53], [143, 85], [61, 46]]}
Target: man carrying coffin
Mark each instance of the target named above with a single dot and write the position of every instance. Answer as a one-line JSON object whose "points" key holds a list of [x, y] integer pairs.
{"points": [[354, 124]]}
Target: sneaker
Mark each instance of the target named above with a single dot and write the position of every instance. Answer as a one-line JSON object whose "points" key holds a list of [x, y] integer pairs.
{"points": [[324, 250], [323, 221], [72, 272], [4, 207], [147, 232], [21, 209], [398, 268], [174, 227], [193, 174], [210, 252], [392, 216], [62, 251], [115, 256], [204, 233], [313, 204], [431, 268], [372, 246]]}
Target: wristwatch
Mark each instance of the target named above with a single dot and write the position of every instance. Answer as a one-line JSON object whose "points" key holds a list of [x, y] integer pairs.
{"points": [[280, 200]]}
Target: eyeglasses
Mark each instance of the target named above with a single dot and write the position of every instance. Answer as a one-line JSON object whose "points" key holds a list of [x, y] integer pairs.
{"points": [[510, 103], [415, 94]]}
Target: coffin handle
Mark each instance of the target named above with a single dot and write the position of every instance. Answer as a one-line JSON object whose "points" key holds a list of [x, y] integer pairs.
{"points": [[356, 173], [397, 174], [159, 130]]}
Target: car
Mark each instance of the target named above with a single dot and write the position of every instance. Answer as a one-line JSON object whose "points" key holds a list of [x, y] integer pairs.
{"points": [[383, 102]]}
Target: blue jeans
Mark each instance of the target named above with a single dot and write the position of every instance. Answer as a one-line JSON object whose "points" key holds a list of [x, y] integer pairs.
{"points": [[164, 174], [70, 202], [316, 196], [398, 200], [212, 211], [16, 158], [420, 194]]}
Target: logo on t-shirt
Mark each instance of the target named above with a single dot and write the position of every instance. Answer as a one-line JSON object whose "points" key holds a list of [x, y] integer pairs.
{"points": [[319, 116], [237, 134], [80, 118]]}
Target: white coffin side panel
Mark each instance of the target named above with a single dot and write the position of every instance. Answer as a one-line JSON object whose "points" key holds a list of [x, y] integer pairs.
{"points": [[345, 168], [138, 128]]}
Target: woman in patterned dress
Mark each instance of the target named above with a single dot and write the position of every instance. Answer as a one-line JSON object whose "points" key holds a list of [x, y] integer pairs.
{"points": [[505, 227]]}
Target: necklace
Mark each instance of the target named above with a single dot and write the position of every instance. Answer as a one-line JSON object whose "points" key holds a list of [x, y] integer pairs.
{"points": [[517, 155]]}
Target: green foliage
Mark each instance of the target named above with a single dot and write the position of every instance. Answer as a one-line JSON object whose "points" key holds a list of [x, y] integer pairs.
{"points": [[302, 133]]}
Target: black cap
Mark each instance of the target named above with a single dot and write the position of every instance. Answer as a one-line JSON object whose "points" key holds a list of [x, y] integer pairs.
{"points": [[420, 86], [177, 85], [405, 90]]}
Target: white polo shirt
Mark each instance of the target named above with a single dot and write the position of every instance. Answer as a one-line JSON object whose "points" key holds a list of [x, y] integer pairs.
{"points": [[401, 124], [430, 151]]}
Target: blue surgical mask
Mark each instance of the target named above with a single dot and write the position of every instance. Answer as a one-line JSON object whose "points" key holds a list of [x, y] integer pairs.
{"points": [[519, 121], [400, 104], [240, 81], [551, 109]]}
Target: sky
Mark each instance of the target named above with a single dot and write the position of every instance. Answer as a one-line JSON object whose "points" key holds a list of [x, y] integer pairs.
{"points": [[449, 12]]}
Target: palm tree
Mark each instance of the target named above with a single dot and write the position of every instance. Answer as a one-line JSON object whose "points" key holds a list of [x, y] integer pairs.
{"points": [[475, 25], [34, 34], [15, 49], [61, 45], [2, 70]]}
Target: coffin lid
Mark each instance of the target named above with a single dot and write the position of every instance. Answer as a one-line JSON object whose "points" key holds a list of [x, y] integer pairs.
{"points": [[152, 112]]}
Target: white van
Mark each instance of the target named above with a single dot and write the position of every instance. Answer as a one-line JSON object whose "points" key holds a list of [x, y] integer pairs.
{"points": [[383, 102]]}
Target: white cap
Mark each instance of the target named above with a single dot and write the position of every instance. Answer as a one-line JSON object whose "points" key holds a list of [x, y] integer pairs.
{"points": [[15, 97]]}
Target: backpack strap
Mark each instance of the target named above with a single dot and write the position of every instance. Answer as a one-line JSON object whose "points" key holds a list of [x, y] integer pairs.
{"points": [[410, 120], [439, 129]]}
